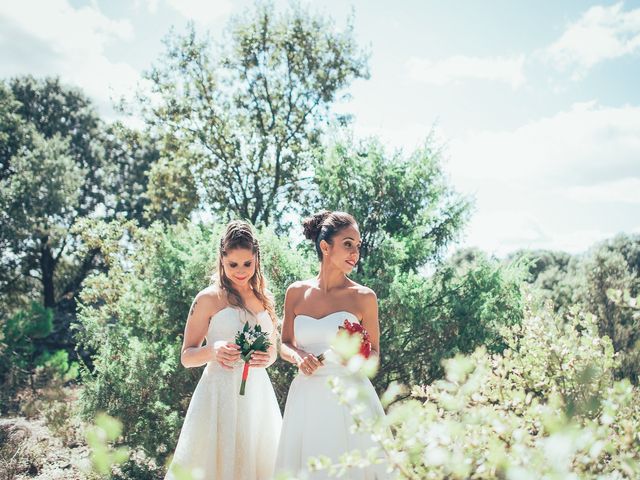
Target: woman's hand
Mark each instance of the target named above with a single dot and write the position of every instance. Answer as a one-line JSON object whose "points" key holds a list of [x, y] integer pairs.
{"points": [[226, 354], [260, 359], [308, 364]]}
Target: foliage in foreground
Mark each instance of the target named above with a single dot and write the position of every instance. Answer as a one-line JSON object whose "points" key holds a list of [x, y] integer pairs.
{"points": [[585, 281], [547, 407]]}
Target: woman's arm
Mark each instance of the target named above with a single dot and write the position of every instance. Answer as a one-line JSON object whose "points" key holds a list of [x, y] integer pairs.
{"points": [[369, 309], [289, 351], [194, 354]]}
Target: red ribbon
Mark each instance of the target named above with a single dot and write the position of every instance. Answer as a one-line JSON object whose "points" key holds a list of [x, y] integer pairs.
{"points": [[245, 374]]}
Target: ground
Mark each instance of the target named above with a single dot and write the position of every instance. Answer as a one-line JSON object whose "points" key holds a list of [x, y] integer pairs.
{"points": [[43, 439]]}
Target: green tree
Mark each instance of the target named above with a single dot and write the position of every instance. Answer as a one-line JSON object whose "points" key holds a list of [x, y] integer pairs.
{"points": [[18, 355], [406, 211], [38, 204], [129, 156], [586, 281], [553, 275], [426, 319], [250, 113], [59, 163], [13, 128], [172, 191], [615, 264]]}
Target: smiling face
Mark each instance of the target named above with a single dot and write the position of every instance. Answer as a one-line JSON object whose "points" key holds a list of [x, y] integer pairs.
{"points": [[239, 266], [343, 252]]}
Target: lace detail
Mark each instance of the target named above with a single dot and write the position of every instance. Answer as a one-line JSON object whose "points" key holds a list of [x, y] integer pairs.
{"points": [[226, 436]]}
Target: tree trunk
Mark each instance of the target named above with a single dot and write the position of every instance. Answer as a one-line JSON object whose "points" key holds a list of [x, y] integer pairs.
{"points": [[47, 265]]}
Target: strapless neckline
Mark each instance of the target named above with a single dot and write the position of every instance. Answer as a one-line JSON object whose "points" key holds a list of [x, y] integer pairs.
{"points": [[225, 323], [317, 319], [236, 308]]}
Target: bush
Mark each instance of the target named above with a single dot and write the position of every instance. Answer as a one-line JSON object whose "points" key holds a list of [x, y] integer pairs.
{"points": [[132, 319], [615, 264], [424, 320], [18, 354], [547, 407], [584, 281]]}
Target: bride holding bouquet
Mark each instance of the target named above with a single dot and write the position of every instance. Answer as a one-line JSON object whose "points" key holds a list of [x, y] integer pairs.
{"points": [[315, 423], [233, 422]]}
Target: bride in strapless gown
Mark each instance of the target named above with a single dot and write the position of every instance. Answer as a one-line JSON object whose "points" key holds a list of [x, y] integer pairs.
{"points": [[227, 436], [315, 423]]}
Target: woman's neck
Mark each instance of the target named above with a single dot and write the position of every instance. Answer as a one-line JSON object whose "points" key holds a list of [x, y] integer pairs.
{"points": [[245, 291], [330, 278]]}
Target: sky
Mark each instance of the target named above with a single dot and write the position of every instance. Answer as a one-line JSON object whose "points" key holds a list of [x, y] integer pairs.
{"points": [[536, 104]]}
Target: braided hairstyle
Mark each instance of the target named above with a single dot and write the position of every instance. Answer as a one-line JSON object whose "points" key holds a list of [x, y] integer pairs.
{"points": [[324, 225], [239, 234]]}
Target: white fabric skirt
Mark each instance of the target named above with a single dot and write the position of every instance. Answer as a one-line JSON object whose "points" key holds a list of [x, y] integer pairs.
{"points": [[226, 436]]}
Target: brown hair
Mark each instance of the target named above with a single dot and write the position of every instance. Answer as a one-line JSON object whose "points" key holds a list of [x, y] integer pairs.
{"points": [[324, 225], [239, 234]]}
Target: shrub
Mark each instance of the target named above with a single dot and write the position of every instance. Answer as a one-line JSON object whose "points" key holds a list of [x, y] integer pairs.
{"points": [[132, 319], [547, 407]]}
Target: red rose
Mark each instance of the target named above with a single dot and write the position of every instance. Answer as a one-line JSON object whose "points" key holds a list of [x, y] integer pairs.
{"points": [[356, 329]]}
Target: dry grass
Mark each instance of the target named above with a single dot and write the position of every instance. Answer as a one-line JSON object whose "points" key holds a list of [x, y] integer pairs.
{"points": [[44, 439]]}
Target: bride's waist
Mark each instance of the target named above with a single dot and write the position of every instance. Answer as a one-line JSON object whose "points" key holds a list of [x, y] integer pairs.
{"points": [[328, 369], [214, 366], [316, 348]]}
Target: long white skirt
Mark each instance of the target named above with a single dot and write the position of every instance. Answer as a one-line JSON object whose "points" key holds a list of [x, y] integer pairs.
{"points": [[315, 423], [226, 436]]}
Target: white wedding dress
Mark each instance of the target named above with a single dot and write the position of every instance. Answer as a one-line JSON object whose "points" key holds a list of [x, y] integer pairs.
{"points": [[315, 423], [226, 436]]}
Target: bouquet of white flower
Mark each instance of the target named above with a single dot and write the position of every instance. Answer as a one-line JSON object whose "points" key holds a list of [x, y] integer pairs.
{"points": [[250, 339]]}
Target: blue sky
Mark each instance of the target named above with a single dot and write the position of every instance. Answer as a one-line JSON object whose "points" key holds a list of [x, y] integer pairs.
{"points": [[536, 103]]}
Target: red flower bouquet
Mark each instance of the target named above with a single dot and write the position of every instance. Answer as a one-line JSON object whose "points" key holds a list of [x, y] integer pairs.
{"points": [[355, 328]]}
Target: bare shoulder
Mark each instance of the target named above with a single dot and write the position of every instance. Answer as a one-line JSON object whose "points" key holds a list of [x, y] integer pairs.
{"points": [[298, 288], [296, 294], [209, 300], [363, 293], [211, 293], [365, 299]]}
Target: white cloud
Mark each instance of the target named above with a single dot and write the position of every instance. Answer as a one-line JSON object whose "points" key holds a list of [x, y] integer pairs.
{"points": [[202, 11], [508, 70], [577, 241], [586, 144], [65, 41], [408, 137], [501, 232], [151, 5], [625, 190], [602, 33], [553, 182]]}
